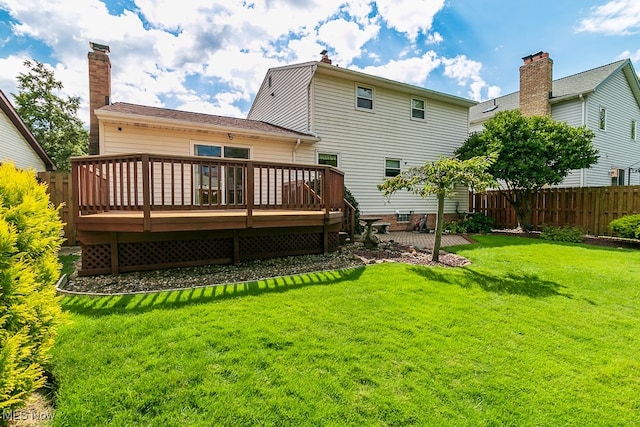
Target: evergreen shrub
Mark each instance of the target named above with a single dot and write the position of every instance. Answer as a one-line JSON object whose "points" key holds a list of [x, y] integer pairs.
{"points": [[627, 226], [30, 237]]}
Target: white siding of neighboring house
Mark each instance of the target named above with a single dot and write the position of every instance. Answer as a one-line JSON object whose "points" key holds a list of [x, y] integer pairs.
{"points": [[288, 106], [364, 139], [616, 148], [15, 148]]}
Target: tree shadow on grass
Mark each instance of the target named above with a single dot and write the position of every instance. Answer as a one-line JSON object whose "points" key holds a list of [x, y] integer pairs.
{"points": [[529, 285], [140, 303]]}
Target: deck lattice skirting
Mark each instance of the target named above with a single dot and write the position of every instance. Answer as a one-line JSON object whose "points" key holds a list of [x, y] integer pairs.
{"points": [[140, 211]]}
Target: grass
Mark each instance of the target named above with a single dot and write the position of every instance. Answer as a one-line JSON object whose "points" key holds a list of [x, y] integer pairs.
{"points": [[532, 333]]}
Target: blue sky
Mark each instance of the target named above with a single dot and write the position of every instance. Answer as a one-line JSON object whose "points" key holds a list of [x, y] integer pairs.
{"points": [[211, 56]]}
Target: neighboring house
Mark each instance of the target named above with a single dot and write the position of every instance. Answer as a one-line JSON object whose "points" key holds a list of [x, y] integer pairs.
{"points": [[370, 127], [17, 143], [605, 99]]}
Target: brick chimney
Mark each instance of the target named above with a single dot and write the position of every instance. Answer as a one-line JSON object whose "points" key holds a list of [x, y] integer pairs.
{"points": [[536, 77], [325, 57], [99, 90]]}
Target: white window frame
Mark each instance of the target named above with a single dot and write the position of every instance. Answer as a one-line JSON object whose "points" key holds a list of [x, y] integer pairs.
{"points": [[328, 153], [424, 109], [393, 159], [602, 121], [357, 97]]}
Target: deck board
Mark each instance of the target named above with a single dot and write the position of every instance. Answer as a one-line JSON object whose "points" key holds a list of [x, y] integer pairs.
{"points": [[198, 220]]}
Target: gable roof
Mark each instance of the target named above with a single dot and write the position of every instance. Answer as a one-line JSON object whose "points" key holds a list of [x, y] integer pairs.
{"points": [[358, 76], [563, 89], [12, 114], [178, 118]]}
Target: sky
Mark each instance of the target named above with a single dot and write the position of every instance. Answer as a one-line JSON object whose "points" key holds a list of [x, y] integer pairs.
{"points": [[211, 56]]}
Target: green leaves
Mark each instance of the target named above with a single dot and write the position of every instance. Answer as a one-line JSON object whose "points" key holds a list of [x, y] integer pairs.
{"points": [[51, 118], [30, 236], [531, 152], [442, 177]]}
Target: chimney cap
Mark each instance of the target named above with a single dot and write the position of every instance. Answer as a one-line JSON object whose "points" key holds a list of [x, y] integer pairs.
{"points": [[535, 56], [99, 47]]}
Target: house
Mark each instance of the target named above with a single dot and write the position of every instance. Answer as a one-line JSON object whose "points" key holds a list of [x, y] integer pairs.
{"points": [[166, 188], [605, 99], [18, 143], [369, 127]]}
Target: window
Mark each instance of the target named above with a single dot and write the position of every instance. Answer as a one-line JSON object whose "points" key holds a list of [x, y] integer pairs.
{"points": [[617, 176], [417, 109], [364, 98], [328, 159], [231, 185], [633, 130], [603, 118], [391, 168]]}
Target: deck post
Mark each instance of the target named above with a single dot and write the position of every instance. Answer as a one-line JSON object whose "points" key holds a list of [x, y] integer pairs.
{"points": [[75, 182], [115, 267], [146, 193], [250, 193]]}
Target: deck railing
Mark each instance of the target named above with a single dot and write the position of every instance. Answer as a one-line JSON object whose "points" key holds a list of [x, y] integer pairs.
{"points": [[150, 182]]}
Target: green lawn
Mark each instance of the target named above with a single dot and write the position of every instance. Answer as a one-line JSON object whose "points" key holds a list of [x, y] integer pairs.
{"points": [[531, 334]]}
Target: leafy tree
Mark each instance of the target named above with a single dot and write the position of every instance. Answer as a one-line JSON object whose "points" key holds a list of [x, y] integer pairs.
{"points": [[51, 118], [441, 178], [532, 152]]}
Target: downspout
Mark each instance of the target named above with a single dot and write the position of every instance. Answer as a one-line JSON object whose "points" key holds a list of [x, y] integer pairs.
{"points": [[583, 172], [295, 148]]}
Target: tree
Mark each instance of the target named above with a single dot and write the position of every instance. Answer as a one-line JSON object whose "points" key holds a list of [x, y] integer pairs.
{"points": [[532, 152], [51, 118], [441, 178]]}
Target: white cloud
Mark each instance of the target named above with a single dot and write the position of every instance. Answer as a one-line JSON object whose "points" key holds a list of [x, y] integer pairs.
{"points": [[409, 16], [346, 38], [466, 72], [620, 17], [411, 70], [434, 38], [162, 46]]}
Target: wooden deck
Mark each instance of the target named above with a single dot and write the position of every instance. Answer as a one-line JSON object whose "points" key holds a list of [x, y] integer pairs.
{"points": [[143, 211], [171, 221]]}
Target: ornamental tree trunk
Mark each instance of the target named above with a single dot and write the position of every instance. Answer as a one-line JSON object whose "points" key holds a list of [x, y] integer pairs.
{"points": [[439, 225]]}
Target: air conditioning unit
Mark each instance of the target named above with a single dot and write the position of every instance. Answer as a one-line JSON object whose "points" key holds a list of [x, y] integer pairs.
{"points": [[614, 173]]}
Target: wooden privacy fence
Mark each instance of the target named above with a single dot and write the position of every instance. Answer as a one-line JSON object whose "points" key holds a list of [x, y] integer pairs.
{"points": [[591, 208], [59, 189]]}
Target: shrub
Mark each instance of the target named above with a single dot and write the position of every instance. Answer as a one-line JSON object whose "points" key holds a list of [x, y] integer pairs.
{"points": [[349, 197], [474, 223], [562, 234], [30, 237], [627, 226], [478, 223]]}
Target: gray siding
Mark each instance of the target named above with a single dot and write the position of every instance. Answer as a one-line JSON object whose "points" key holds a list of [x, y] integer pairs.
{"points": [[286, 102], [14, 148], [364, 139], [617, 150], [569, 112]]}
